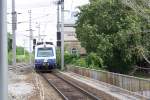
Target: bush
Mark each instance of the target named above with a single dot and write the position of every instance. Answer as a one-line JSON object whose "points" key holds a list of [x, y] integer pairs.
{"points": [[91, 61], [19, 56], [94, 61], [67, 58], [81, 62], [70, 59]]}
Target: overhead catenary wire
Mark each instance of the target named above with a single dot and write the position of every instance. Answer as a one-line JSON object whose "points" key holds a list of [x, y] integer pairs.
{"points": [[50, 4], [32, 19]]}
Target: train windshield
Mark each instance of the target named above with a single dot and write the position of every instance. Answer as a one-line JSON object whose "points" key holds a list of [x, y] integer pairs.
{"points": [[45, 52]]}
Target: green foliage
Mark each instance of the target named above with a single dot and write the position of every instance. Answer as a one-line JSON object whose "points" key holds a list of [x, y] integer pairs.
{"points": [[19, 51], [20, 57], [80, 62], [69, 58], [58, 58], [115, 34], [94, 60], [75, 60]]}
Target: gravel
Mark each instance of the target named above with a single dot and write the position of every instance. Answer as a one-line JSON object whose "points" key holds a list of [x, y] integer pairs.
{"points": [[24, 84]]}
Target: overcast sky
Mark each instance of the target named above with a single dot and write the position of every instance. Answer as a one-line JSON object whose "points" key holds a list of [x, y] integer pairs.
{"points": [[43, 12]]}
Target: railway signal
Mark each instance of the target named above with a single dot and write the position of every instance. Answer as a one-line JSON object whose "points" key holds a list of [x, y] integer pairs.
{"points": [[34, 43], [58, 39]]}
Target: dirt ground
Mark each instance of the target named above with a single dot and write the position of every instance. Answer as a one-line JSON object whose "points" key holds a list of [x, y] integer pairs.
{"points": [[25, 84]]}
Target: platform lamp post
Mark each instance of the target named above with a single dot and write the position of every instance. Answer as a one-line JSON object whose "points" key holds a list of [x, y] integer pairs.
{"points": [[3, 51]]}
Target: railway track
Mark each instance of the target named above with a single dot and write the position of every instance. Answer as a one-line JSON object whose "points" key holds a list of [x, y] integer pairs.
{"points": [[66, 89], [17, 66]]}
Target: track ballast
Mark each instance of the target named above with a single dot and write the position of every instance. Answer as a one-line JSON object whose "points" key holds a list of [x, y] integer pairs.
{"points": [[66, 89]]}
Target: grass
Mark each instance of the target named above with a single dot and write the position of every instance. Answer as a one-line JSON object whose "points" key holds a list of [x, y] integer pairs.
{"points": [[19, 58]]}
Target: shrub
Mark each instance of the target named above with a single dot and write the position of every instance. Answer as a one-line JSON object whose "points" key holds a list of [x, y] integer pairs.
{"points": [[81, 62], [94, 60]]}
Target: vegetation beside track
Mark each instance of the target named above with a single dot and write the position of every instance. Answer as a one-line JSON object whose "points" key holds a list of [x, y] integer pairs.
{"points": [[20, 57], [21, 54], [118, 34], [93, 62]]}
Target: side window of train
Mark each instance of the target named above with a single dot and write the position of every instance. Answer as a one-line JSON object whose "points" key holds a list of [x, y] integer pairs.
{"points": [[74, 51]]}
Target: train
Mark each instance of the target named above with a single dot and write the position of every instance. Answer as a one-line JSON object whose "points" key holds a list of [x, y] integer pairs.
{"points": [[45, 56]]}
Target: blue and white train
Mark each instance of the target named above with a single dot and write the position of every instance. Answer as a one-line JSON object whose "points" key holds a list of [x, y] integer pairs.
{"points": [[45, 56]]}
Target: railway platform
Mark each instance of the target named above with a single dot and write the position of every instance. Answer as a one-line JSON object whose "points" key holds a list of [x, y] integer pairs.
{"points": [[106, 91]]}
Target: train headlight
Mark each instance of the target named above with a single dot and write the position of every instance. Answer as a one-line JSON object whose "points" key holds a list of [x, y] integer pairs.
{"points": [[45, 60]]}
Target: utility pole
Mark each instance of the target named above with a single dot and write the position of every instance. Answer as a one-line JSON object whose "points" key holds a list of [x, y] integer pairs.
{"points": [[58, 30], [39, 32], [58, 16], [31, 35], [3, 51], [62, 34], [14, 27]]}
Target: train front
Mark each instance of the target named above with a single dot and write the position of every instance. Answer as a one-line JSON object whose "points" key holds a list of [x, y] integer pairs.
{"points": [[45, 57]]}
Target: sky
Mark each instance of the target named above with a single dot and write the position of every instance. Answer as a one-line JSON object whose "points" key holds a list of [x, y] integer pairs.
{"points": [[44, 13]]}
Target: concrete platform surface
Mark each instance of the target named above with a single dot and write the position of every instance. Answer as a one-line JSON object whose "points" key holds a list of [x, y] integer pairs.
{"points": [[110, 90]]}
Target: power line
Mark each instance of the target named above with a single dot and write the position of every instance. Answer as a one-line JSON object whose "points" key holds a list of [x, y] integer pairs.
{"points": [[27, 21], [32, 19]]}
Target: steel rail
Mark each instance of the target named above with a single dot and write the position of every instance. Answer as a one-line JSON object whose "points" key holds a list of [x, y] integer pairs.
{"points": [[72, 84], [79, 88], [60, 93]]}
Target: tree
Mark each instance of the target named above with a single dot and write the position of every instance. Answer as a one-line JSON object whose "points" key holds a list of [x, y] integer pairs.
{"points": [[113, 31]]}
